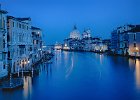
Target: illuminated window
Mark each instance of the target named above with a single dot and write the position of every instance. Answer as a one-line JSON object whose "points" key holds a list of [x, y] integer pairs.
{"points": [[19, 25]]}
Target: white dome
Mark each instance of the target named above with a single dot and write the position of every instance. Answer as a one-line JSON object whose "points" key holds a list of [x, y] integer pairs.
{"points": [[75, 34]]}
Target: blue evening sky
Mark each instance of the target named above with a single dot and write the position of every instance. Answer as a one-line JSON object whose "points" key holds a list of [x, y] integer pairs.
{"points": [[57, 17]]}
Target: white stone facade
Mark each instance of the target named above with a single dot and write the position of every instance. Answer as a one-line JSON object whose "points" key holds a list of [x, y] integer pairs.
{"points": [[86, 34], [75, 34], [3, 44], [134, 44], [19, 43]]}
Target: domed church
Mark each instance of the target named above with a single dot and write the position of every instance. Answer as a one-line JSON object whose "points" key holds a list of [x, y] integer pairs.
{"points": [[75, 34], [86, 33]]}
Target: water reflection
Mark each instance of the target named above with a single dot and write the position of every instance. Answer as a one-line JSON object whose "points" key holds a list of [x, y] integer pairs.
{"points": [[58, 55], [66, 58], [138, 74], [101, 59], [27, 87], [82, 76], [131, 64], [47, 68], [69, 70]]}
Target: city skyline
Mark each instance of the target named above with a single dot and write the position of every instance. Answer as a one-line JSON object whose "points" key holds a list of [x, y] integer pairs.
{"points": [[57, 18], [69, 50]]}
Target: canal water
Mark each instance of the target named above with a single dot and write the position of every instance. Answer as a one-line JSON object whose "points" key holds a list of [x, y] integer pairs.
{"points": [[81, 76]]}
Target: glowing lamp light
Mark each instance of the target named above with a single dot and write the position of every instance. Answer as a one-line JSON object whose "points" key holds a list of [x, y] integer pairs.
{"points": [[65, 45], [137, 48], [25, 62]]}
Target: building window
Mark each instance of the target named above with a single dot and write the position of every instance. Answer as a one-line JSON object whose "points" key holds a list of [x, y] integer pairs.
{"points": [[21, 51], [134, 44], [8, 54], [8, 38], [4, 67], [3, 43], [3, 23], [27, 27], [1, 56], [19, 25], [134, 36], [13, 24], [35, 42], [22, 26], [21, 37]]}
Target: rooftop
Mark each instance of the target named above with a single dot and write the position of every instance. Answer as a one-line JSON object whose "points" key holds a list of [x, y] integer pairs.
{"points": [[3, 11], [19, 19], [35, 28]]}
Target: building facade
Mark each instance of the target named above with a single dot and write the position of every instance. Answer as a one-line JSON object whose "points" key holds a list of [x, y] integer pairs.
{"points": [[87, 40], [19, 43], [57, 46], [3, 44], [134, 41], [86, 34], [37, 44], [75, 34], [125, 40]]}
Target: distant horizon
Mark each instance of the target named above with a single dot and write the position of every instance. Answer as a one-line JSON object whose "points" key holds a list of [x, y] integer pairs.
{"points": [[57, 17]]}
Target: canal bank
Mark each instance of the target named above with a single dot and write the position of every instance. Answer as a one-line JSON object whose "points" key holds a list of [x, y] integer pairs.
{"points": [[15, 80], [105, 53]]}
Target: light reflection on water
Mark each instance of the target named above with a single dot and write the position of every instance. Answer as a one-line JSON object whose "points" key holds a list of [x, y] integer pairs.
{"points": [[137, 72], [135, 65], [27, 87], [82, 76], [69, 70]]}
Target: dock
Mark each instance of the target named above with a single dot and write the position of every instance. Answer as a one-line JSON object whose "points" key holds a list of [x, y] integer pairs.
{"points": [[12, 84]]}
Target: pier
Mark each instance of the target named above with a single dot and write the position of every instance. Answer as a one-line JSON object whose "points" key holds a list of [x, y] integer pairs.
{"points": [[12, 84]]}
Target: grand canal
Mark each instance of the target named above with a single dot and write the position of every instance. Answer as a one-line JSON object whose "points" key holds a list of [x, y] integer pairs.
{"points": [[81, 76]]}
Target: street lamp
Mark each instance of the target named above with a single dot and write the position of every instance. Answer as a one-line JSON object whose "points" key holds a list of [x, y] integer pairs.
{"points": [[136, 50], [28, 61]]}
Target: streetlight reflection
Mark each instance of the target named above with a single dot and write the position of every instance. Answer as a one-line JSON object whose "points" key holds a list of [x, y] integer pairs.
{"points": [[27, 87], [69, 70], [138, 74]]}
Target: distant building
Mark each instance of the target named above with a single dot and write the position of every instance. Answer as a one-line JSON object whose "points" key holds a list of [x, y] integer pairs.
{"points": [[3, 44], [96, 44], [19, 43], [134, 44], [125, 40], [57, 46], [37, 44], [86, 33], [114, 41], [107, 44], [74, 41], [73, 44], [117, 38], [75, 34], [87, 40]]}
